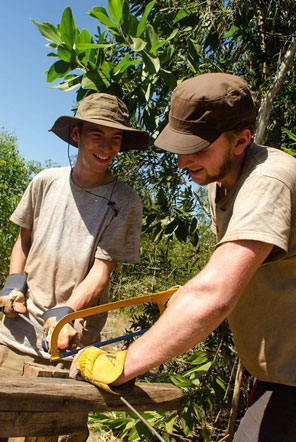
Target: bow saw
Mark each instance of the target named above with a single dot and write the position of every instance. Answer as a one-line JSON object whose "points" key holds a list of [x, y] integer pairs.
{"points": [[159, 298]]}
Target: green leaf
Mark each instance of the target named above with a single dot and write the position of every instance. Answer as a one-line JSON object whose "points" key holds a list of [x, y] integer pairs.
{"points": [[173, 34], [85, 46], [169, 78], [290, 134], [199, 371], [68, 85], [231, 31], [148, 92], [48, 31], [182, 231], [289, 151], [198, 358], [106, 70], [158, 45], [67, 27], [58, 70], [181, 14], [180, 381], [151, 35], [138, 44], [142, 24], [84, 37], [66, 53], [100, 14], [124, 64], [194, 49], [188, 420], [169, 426], [152, 63], [115, 9], [171, 227], [94, 81], [220, 382]]}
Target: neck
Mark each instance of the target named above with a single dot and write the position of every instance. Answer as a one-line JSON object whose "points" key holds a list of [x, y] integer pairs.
{"points": [[232, 177], [90, 180]]}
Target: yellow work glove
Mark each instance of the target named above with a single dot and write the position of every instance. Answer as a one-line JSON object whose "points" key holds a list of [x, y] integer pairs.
{"points": [[101, 369]]}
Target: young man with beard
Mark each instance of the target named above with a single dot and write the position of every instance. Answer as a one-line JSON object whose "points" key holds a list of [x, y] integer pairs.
{"points": [[251, 276]]}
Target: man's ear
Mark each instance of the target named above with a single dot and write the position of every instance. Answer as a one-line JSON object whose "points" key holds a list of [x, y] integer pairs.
{"points": [[242, 141], [75, 133]]}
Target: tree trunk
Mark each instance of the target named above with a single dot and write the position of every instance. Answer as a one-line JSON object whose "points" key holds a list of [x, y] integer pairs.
{"points": [[266, 105], [235, 401]]}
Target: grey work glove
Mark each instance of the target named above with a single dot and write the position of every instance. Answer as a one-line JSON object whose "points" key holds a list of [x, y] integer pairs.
{"points": [[12, 296], [68, 336]]}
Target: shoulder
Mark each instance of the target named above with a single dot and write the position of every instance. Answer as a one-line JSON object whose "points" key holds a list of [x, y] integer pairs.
{"points": [[269, 162], [47, 176], [123, 190]]}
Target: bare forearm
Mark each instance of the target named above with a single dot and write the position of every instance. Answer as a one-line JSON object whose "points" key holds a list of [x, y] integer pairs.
{"points": [[198, 308], [89, 291], [20, 252], [186, 329]]}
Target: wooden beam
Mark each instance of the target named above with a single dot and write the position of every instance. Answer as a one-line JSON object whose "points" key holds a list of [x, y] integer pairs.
{"points": [[24, 423], [44, 406], [69, 395]]}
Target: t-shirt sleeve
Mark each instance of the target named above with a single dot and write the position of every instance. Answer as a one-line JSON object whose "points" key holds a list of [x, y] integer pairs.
{"points": [[23, 215], [121, 238], [261, 212]]}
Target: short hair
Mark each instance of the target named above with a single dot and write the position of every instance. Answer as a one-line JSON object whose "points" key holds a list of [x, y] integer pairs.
{"points": [[232, 134]]}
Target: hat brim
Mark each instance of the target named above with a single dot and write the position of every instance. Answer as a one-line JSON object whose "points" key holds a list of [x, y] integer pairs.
{"points": [[134, 139], [184, 143]]}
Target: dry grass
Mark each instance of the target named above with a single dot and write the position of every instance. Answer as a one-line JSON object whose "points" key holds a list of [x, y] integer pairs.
{"points": [[116, 325], [101, 436]]}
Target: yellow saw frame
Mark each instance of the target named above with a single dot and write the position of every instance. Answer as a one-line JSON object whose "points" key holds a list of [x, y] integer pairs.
{"points": [[159, 298]]}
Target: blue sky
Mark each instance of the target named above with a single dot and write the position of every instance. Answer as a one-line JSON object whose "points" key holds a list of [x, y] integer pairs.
{"points": [[28, 107]]}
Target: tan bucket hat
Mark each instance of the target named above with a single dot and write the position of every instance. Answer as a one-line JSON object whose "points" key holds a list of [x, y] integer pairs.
{"points": [[105, 110], [204, 107]]}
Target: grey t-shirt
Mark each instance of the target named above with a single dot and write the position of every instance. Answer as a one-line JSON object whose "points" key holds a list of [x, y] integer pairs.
{"points": [[70, 227]]}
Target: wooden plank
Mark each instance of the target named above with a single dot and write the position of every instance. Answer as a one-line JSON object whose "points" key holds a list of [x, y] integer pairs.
{"points": [[69, 395], [31, 369], [24, 423], [46, 404]]}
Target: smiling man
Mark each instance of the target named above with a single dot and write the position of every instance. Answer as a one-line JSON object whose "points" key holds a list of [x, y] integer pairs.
{"points": [[75, 223], [251, 276]]}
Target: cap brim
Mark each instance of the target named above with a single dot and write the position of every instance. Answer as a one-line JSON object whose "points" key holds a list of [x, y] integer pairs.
{"points": [[183, 143], [134, 139]]}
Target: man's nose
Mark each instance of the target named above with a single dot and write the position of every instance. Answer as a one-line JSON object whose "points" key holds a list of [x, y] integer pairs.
{"points": [[105, 144], [184, 161]]}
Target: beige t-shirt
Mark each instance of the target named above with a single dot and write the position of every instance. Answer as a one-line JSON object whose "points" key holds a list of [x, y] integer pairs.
{"points": [[70, 227], [262, 207]]}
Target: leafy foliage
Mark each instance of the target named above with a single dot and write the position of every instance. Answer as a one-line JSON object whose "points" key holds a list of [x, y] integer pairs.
{"points": [[15, 174]]}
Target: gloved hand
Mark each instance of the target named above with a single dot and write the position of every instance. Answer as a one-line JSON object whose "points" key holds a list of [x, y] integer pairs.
{"points": [[12, 296], [68, 336], [101, 369]]}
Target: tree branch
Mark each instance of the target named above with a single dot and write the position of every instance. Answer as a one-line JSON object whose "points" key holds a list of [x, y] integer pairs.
{"points": [[266, 106]]}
